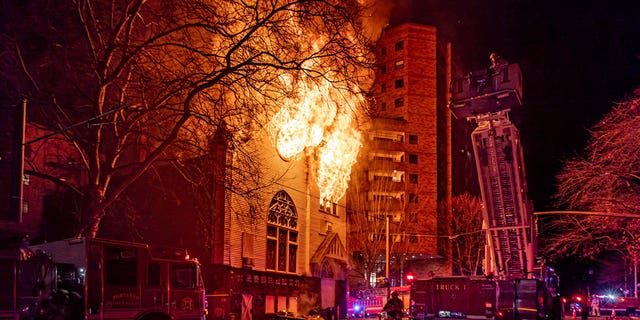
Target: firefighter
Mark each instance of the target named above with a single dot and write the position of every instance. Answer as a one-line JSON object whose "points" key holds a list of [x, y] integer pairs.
{"points": [[394, 307], [497, 63], [595, 306]]}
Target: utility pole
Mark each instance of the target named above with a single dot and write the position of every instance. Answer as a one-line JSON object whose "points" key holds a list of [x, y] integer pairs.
{"points": [[17, 162], [387, 260]]}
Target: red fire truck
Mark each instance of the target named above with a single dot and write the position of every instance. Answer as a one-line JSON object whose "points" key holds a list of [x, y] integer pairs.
{"points": [[368, 303], [444, 298], [623, 306], [453, 297], [86, 278], [515, 286]]}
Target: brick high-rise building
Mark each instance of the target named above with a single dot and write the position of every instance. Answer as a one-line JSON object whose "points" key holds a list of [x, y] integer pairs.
{"points": [[404, 169]]}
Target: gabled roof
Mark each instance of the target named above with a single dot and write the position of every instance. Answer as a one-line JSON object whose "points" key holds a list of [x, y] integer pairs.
{"points": [[331, 248]]}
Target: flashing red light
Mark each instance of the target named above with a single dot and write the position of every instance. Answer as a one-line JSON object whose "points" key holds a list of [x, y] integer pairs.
{"points": [[410, 277]]}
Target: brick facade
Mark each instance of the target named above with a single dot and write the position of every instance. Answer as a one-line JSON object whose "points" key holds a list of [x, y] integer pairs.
{"points": [[407, 137]]}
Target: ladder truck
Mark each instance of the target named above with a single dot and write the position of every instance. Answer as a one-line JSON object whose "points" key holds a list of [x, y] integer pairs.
{"points": [[514, 287], [486, 99]]}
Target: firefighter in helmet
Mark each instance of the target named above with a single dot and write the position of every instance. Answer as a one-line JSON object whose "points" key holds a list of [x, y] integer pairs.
{"points": [[394, 307], [498, 64]]}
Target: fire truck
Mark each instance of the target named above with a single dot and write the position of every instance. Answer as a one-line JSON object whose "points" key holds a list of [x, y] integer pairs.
{"points": [[445, 298], [369, 302], [88, 278], [623, 306], [514, 286], [453, 297]]}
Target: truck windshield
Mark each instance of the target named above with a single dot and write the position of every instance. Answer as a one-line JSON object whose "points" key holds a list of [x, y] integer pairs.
{"points": [[183, 276]]}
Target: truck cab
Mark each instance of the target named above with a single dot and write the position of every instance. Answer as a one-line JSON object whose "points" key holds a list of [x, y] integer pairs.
{"points": [[87, 278]]}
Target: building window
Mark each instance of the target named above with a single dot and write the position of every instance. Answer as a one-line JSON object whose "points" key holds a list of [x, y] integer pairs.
{"points": [[413, 178], [399, 102], [413, 217], [413, 158], [378, 237], [399, 45], [383, 51], [399, 83], [282, 234], [413, 139], [383, 87], [383, 69], [383, 106], [413, 238], [399, 64], [413, 198], [330, 208]]}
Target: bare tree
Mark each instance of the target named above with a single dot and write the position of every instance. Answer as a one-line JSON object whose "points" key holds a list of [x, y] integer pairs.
{"points": [[131, 84], [379, 203], [466, 237], [371, 210], [604, 178]]}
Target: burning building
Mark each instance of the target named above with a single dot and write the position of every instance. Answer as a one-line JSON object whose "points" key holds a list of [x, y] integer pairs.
{"points": [[268, 220]]}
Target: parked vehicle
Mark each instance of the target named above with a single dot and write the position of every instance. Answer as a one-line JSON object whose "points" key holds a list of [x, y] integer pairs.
{"points": [[368, 303], [86, 278], [444, 298], [627, 306]]}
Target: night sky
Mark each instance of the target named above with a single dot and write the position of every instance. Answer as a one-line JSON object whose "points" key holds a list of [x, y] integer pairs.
{"points": [[577, 59]]}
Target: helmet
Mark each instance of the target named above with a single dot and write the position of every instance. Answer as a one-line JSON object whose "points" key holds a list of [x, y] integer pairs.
{"points": [[394, 293]]}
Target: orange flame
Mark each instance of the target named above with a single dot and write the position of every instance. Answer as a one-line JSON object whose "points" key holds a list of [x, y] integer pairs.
{"points": [[316, 118], [319, 117]]}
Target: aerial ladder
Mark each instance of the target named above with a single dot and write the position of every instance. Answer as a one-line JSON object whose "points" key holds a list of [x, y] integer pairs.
{"points": [[511, 290], [485, 97]]}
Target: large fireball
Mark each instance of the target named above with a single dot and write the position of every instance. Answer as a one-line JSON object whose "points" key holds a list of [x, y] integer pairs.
{"points": [[317, 118]]}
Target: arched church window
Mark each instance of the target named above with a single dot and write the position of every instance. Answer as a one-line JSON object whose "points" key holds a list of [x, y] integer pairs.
{"points": [[282, 234]]}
